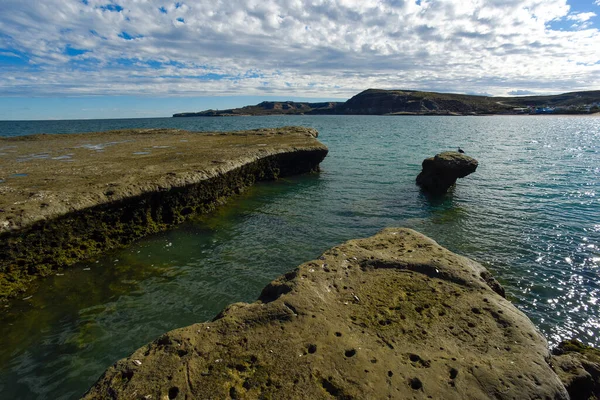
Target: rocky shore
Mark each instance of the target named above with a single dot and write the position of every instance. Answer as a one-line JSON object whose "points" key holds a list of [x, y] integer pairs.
{"points": [[391, 316], [64, 198]]}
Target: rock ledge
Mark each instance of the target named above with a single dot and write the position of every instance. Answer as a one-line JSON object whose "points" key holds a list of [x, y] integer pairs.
{"points": [[64, 198]]}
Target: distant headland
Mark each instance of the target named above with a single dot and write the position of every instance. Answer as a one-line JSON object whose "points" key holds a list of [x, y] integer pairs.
{"points": [[412, 102]]}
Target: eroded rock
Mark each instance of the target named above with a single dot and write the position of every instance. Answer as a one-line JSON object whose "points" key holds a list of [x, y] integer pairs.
{"points": [[391, 316], [441, 172], [578, 366]]}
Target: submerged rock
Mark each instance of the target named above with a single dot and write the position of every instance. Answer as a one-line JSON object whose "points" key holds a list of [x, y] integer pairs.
{"points": [[391, 316], [441, 172]]}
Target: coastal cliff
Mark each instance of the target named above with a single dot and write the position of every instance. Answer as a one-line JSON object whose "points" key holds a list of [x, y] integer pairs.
{"points": [[65, 198], [411, 102], [390, 316]]}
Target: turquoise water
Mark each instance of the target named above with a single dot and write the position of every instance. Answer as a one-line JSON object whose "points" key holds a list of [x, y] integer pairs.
{"points": [[530, 213]]}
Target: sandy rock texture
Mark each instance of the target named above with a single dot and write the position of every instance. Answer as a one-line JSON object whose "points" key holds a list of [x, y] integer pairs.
{"points": [[64, 198], [391, 316], [441, 172]]}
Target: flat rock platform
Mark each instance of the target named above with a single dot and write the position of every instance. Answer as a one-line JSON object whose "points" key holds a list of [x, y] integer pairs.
{"points": [[64, 198]]}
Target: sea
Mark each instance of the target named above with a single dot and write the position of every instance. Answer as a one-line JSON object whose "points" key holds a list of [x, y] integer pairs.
{"points": [[530, 214]]}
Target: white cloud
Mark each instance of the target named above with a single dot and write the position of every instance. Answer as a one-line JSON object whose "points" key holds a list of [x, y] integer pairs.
{"points": [[297, 47], [521, 93], [581, 17], [8, 54]]}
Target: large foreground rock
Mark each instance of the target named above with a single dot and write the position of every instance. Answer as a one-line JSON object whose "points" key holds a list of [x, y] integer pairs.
{"points": [[391, 316], [441, 172], [64, 198]]}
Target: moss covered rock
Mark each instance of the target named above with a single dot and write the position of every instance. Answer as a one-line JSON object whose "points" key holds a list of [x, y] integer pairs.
{"points": [[75, 196], [578, 366]]}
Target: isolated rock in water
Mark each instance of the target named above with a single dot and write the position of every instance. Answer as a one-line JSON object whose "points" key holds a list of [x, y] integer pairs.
{"points": [[440, 172], [578, 366], [391, 316]]}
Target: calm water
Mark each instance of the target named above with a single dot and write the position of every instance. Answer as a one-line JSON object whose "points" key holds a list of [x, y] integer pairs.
{"points": [[530, 213]]}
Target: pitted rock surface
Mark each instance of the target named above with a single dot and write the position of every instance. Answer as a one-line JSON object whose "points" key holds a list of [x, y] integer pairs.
{"points": [[391, 316]]}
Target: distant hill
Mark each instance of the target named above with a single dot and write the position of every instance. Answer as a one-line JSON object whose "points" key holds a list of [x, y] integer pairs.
{"points": [[559, 100], [412, 102], [390, 102]]}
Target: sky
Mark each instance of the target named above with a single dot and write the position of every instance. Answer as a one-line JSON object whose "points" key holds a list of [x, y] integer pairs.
{"points": [[62, 59]]}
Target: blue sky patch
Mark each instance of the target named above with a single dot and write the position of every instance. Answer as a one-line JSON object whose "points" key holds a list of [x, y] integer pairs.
{"points": [[210, 77], [179, 64], [112, 8], [13, 57], [9, 57], [127, 36], [126, 62], [181, 20], [577, 7], [162, 10], [71, 51], [154, 64]]}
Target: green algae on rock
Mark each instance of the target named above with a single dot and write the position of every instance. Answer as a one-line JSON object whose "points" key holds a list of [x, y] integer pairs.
{"points": [[65, 198], [391, 316], [578, 366]]}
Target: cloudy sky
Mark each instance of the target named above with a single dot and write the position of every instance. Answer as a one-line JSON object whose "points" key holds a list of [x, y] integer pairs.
{"points": [[137, 58]]}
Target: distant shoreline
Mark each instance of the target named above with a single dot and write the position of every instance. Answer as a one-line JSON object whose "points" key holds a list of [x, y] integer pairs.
{"points": [[410, 102], [594, 114]]}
